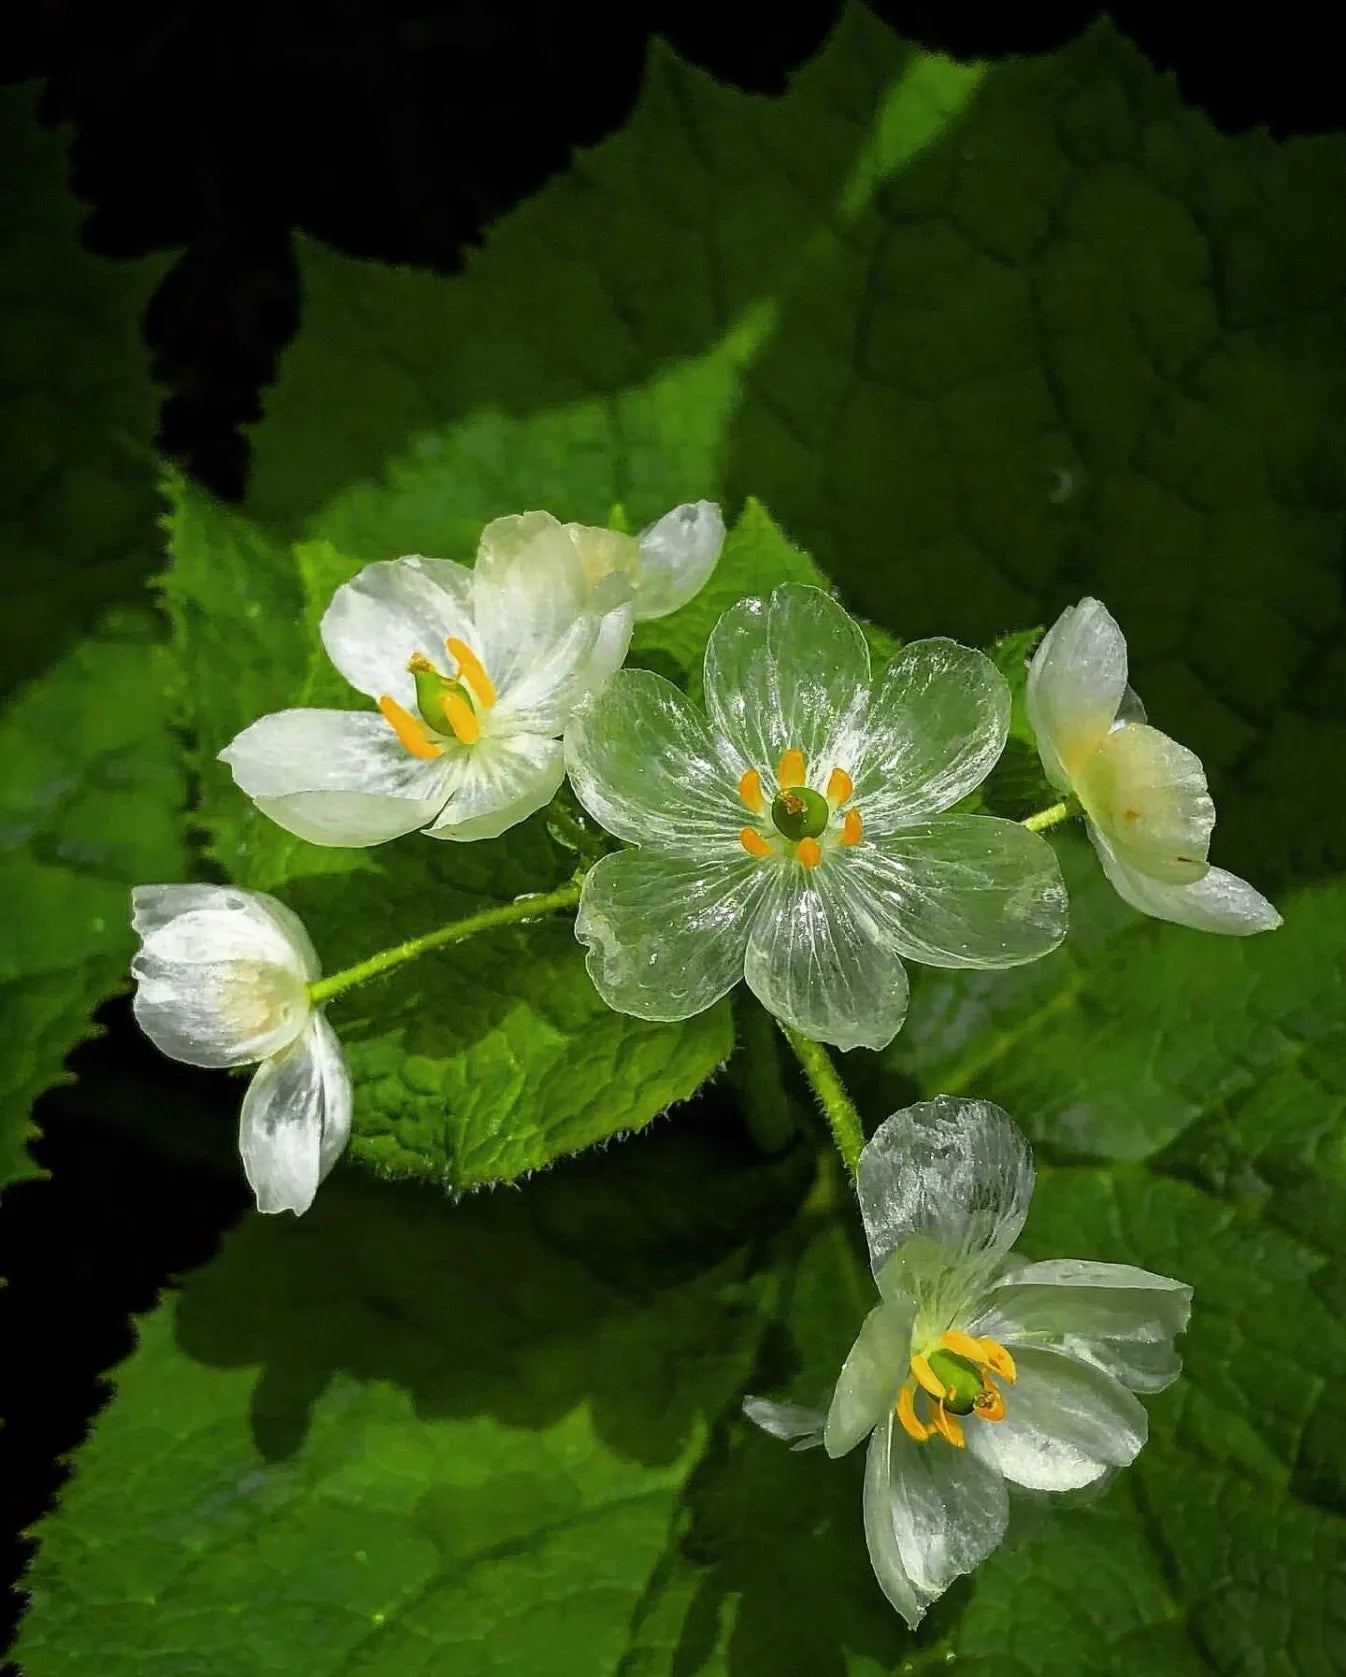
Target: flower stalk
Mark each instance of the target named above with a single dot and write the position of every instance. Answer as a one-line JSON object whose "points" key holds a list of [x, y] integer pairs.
{"points": [[830, 1092], [1053, 816]]}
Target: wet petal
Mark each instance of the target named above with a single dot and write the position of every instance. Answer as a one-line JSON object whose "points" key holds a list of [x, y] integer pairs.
{"points": [[801, 1428], [296, 1120], [390, 610], [677, 556], [1217, 902], [665, 938], [1148, 794], [1076, 684], [500, 781], [643, 763], [867, 1387], [789, 673], [937, 726]]}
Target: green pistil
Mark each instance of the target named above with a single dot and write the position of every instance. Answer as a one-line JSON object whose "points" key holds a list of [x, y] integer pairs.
{"points": [[957, 1375], [431, 687], [800, 813]]}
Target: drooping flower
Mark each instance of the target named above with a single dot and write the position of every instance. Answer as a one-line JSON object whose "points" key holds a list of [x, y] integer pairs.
{"points": [[222, 979], [1147, 810], [796, 836], [976, 1368]]}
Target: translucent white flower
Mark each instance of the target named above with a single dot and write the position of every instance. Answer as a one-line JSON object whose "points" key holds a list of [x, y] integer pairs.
{"points": [[1144, 796], [222, 979], [976, 1368], [796, 836]]}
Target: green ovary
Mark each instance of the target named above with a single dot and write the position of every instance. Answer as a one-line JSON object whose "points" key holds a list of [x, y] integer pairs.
{"points": [[800, 813], [959, 1377]]}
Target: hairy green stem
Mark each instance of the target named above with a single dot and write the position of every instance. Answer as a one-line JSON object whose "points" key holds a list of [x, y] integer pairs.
{"points": [[1053, 817], [830, 1092]]}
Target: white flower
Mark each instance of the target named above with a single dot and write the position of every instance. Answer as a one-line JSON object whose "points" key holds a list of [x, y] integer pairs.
{"points": [[796, 837], [222, 980], [976, 1368], [1144, 796], [677, 556]]}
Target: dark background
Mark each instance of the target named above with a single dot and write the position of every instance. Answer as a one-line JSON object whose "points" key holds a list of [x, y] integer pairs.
{"points": [[395, 130]]}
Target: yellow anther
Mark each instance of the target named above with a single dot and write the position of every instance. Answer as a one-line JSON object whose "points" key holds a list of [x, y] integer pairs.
{"points": [[418, 661], [461, 717], [839, 787], [810, 853], [750, 791], [945, 1425], [791, 770], [753, 842], [996, 1357], [989, 1404], [414, 735], [920, 1367], [852, 828], [473, 672], [963, 1345], [912, 1425]]}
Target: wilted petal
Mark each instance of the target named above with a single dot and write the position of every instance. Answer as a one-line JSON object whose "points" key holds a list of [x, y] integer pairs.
{"points": [[1076, 683], [870, 1377], [390, 610], [665, 938], [296, 1120], [789, 673], [1217, 902], [497, 783], [937, 726], [677, 556], [1148, 794], [799, 1427], [644, 765]]}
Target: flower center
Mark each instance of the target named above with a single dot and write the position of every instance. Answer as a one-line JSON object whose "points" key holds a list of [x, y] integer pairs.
{"points": [[953, 1377], [801, 818], [450, 705]]}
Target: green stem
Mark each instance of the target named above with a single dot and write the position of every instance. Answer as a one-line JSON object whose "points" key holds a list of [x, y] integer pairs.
{"points": [[830, 1092], [1053, 817], [505, 914]]}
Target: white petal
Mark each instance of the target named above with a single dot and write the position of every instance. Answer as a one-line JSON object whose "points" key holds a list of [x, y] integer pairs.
{"points": [[1097, 1300], [937, 726], [945, 1183], [643, 763], [665, 938], [296, 1120], [337, 776], [967, 891], [497, 783], [867, 1387], [677, 556], [390, 610], [881, 1535], [610, 647], [801, 1428], [1217, 902], [1148, 794], [1066, 1423], [220, 974], [1076, 683], [789, 673], [819, 956]]}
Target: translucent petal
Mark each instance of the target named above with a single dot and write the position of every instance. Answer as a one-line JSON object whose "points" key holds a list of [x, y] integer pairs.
{"points": [[666, 937], [1217, 902], [867, 1387], [966, 891], [937, 726], [1076, 684], [390, 610], [612, 644], [880, 1532], [1066, 1423], [220, 974], [337, 776], [296, 1120], [1148, 794], [497, 783], [947, 1183], [801, 1428], [789, 673], [643, 763], [820, 956], [677, 556], [1143, 1365], [1095, 1300]]}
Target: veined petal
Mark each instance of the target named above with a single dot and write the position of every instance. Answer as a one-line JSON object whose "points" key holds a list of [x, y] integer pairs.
{"points": [[937, 726], [1065, 1424], [665, 938], [789, 673], [966, 891], [613, 639], [820, 957], [1143, 1365], [337, 776], [296, 1120], [1076, 683], [539, 694], [535, 630], [390, 610], [643, 763], [1217, 902], [230, 923], [867, 1387], [881, 1534], [500, 781], [801, 1428], [677, 556], [1148, 794], [947, 1183], [1095, 1300]]}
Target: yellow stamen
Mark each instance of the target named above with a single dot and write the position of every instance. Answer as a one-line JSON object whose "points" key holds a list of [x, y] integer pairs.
{"points": [[750, 791], [996, 1357], [791, 770], [473, 672], [839, 787], [461, 717], [906, 1414], [810, 853], [989, 1404], [947, 1428], [753, 842], [414, 735], [920, 1367], [852, 828], [963, 1345]]}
